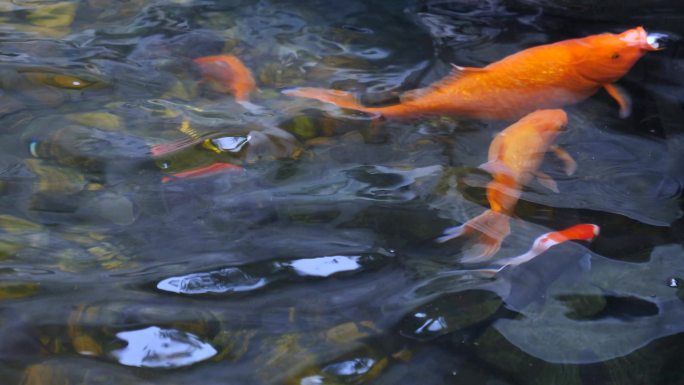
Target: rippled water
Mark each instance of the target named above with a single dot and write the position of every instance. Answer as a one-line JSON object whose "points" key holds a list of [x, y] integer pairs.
{"points": [[308, 257]]}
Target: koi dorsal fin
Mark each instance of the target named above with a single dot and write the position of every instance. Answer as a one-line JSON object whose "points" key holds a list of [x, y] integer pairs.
{"points": [[412, 95], [456, 73], [457, 70]]}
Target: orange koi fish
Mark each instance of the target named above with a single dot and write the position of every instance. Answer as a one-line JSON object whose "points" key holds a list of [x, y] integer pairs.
{"points": [[546, 76], [231, 75], [514, 158], [202, 171]]}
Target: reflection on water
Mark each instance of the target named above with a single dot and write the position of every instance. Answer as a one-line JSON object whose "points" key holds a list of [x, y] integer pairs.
{"points": [[224, 280], [155, 231], [255, 276], [161, 348]]}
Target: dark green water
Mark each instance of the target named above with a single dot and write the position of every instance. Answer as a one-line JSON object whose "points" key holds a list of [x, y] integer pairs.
{"points": [[316, 263]]}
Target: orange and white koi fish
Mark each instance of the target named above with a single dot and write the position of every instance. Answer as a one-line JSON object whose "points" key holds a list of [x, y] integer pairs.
{"points": [[581, 232], [231, 75], [514, 158], [546, 76], [211, 169]]}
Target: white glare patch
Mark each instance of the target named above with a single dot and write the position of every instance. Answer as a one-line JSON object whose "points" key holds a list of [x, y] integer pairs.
{"points": [[76, 83], [653, 38], [230, 279], [231, 143], [32, 148], [161, 348], [353, 367], [311, 380], [324, 266], [432, 325]]}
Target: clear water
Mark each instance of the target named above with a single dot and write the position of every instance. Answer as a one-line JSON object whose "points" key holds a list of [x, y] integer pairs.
{"points": [[315, 261]]}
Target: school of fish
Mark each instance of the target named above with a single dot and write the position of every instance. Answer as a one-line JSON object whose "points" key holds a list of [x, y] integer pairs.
{"points": [[514, 158], [531, 85]]}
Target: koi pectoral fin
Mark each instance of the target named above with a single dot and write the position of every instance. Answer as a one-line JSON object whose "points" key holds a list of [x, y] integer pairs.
{"points": [[496, 167], [546, 181], [621, 97], [453, 232], [570, 165]]}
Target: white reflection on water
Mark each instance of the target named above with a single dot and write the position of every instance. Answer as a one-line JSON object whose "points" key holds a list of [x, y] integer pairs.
{"points": [[161, 348], [231, 143], [353, 367], [324, 266], [230, 279], [340, 372]]}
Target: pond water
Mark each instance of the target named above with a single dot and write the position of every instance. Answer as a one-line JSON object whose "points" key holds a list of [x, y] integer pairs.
{"points": [[308, 256]]}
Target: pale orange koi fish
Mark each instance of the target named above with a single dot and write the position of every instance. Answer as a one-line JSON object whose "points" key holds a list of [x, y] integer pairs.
{"points": [[231, 75], [201, 171], [546, 76], [514, 158], [581, 232]]}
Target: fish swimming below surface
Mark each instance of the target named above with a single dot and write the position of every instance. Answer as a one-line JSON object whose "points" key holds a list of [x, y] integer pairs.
{"points": [[546, 76], [581, 232], [514, 158], [231, 75], [211, 169]]}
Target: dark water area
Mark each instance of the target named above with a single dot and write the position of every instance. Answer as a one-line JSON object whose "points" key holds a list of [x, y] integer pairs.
{"points": [[311, 257]]}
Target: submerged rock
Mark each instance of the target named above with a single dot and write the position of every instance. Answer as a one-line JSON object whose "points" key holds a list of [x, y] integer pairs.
{"points": [[60, 14], [449, 313]]}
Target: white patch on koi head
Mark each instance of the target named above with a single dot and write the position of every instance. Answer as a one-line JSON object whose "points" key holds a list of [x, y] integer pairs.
{"points": [[634, 36]]}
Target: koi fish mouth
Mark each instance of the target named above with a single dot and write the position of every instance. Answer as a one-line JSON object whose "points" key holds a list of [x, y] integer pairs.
{"points": [[647, 42]]}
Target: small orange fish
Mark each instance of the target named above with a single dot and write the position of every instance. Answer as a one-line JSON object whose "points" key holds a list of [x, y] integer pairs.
{"points": [[231, 75], [581, 232], [514, 158], [546, 76], [202, 171]]}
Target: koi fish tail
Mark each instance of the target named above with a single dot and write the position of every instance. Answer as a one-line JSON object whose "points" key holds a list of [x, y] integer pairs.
{"points": [[344, 99], [339, 98], [491, 228]]}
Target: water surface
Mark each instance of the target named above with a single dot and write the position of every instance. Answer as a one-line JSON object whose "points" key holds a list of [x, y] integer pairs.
{"points": [[314, 261]]}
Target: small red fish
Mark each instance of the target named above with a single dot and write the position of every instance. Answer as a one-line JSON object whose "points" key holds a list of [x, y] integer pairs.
{"points": [[514, 158], [581, 232], [231, 75], [546, 76], [202, 171]]}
